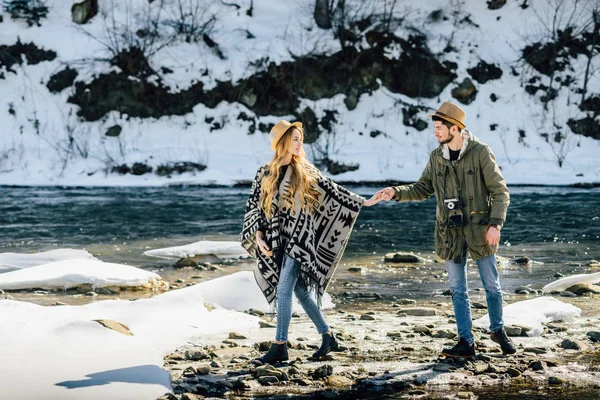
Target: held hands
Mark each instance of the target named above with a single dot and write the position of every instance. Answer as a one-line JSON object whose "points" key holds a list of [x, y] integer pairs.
{"points": [[386, 194], [492, 236], [372, 201], [262, 245]]}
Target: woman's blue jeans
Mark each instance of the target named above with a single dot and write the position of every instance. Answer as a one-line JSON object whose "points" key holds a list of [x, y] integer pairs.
{"points": [[457, 275], [288, 283]]}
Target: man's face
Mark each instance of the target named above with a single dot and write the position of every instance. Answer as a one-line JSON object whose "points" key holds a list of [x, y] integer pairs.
{"points": [[442, 132]]}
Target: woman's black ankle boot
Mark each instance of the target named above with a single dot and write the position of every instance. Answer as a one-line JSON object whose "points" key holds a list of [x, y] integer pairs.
{"points": [[277, 352], [329, 344]]}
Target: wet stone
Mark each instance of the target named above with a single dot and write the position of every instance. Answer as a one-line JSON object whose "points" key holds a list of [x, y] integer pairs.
{"points": [[367, 317], [443, 367], [421, 329], [535, 350], [479, 306], [339, 381], [572, 344], [594, 336], [554, 380], [513, 372], [267, 380], [235, 335], [323, 371], [567, 294], [537, 365]]}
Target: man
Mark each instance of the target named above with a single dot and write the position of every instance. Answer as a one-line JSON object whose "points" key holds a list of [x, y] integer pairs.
{"points": [[472, 199]]}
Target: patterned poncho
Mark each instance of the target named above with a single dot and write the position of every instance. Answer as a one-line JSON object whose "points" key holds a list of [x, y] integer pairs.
{"points": [[316, 240]]}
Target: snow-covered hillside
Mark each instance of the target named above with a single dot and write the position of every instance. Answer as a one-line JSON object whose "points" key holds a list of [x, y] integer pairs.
{"points": [[47, 140]]}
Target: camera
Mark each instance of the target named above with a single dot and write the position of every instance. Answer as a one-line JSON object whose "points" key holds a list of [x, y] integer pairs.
{"points": [[453, 204], [455, 215]]}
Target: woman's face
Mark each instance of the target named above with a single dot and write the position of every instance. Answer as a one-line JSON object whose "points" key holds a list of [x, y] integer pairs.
{"points": [[295, 146]]}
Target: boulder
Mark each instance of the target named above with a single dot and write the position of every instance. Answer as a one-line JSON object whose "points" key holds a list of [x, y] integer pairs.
{"points": [[82, 12]]}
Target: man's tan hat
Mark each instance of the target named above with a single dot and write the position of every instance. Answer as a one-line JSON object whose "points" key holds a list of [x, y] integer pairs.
{"points": [[451, 113], [279, 129]]}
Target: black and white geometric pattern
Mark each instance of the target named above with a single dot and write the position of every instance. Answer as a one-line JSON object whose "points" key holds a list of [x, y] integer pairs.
{"points": [[316, 240]]}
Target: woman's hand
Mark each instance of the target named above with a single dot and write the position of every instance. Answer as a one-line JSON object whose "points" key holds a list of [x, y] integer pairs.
{"points": [[262, 245], [386, 194], [372, 201]]}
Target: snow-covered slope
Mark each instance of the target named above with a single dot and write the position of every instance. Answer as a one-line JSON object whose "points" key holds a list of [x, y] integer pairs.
{"points": [[45, 142]]}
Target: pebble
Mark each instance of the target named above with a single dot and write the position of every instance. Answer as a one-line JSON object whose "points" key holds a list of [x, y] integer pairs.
{"points": [[235, 335], [554, 380], [367, 317], [195, 355], [594, 336]]}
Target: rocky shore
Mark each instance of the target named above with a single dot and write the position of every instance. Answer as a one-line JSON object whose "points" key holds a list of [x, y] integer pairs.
{"points": [[392, 350]]}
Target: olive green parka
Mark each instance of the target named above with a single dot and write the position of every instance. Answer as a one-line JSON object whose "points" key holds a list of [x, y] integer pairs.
{"points": [[475, 179]]}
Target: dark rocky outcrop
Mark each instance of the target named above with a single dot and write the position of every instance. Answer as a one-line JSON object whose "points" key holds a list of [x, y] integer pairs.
{"points": [[61, 80], [178, 168], [11, 55], [277, 89], [484, 72], [587, 126], [113, 131]]}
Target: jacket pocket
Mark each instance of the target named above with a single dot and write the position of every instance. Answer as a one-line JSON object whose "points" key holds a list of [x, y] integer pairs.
{"points": [[441, 235], [479, 225]]}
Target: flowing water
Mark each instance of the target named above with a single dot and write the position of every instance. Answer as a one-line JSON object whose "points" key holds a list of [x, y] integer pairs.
{"points": [[557, 227]]}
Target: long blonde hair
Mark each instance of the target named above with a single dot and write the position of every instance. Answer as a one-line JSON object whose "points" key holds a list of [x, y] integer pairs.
{"points": [[303, 178]]}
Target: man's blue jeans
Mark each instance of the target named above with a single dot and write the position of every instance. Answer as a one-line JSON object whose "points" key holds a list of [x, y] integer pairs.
{"points": [[288, 279], [457, 275]]}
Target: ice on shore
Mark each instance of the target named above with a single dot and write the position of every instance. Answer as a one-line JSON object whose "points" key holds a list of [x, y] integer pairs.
{"points": [[567, 282], [533, 313], [239, 291], [93, 362], [68, 274], [203, 247], [13, 261]]}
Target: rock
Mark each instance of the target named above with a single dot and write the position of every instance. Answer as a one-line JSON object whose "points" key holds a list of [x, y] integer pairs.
{"points": [[466, 395], [575, 344], [443, 367], [535, 350], [302, 382], [522, 292], [594, 336], [267, 380], [215, 364], [235, 335], [248, 384], [338, 381], [567, 294], [554, 380], [421, 329], [91, 294], [580, 289], [264, 346], [191, 396], [496, 4], [115, 326], [526, 289], [479, 306], [522, 260], [267, 370], [537, 365], [513, 372], [195, 355], [203, 370], [113, 131], [513, 330], [323, 371], [419, 311], [447, 292], [82, 12], [355, 269], [59, 303], [394, 334], [481, 368], [264, 324], [594, 264], [465, 92], [406, 302], [197, 260], [403, 257], [443, 334], [558, 275], [258, 313], [367, 317]]}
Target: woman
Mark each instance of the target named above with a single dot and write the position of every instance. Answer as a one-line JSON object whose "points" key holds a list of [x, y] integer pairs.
{"points": [[297, 224]]}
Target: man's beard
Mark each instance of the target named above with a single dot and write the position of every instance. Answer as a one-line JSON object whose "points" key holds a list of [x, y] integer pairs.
{"points": [[448, 140]]}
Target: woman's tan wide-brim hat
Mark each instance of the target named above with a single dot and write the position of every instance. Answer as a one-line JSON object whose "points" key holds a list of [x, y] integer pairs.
{"points": [[451, 113], [279, 129]]}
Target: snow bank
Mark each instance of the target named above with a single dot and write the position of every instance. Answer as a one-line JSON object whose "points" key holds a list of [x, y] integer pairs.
{"points": [[13, 261], [533, 313], [567, 282], [203, 247], [98, 363], [68, 274], [239, 291]]}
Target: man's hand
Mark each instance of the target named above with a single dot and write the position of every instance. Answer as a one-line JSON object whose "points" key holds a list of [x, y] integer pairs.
{"points": [[386, 194], [262, 245], [492, 236]]}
